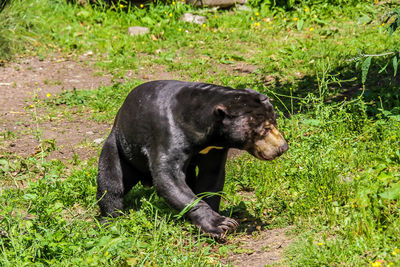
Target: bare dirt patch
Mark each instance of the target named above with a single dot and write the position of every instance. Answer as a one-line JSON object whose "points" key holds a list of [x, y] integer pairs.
{"points": [[265, 248], [50, 75], [157, 72], [20, 81]]}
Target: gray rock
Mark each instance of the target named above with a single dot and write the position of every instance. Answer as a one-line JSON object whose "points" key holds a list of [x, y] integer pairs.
{"points": [[189, 17], [243, 8], [137, 30], [219, 3], [98, 141]]}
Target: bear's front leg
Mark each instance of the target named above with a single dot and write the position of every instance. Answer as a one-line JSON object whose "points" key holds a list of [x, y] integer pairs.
{"points": [[169, 181]]}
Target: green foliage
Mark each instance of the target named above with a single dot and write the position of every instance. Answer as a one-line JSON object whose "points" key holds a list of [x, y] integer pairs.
{"points": [[364, 69], [290, 4], [395, 16]]}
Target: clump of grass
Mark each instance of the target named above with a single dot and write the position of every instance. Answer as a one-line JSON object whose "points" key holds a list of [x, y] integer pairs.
{"points": [[53, 222]]}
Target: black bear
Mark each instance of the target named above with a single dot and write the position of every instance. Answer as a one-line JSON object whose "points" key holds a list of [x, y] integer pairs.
{"points": [[175, 136]]}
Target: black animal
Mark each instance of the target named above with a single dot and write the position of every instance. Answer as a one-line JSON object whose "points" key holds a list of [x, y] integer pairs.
{"points": [[166, 129]]}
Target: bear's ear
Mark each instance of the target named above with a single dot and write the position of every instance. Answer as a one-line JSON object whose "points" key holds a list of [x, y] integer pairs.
{"points": [[264, 100], [220, 110]]}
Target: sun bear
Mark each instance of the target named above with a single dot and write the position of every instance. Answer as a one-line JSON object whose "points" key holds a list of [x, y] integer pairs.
{"points": [[175, 136]]}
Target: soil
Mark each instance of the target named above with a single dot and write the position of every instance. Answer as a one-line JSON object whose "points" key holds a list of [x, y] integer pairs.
{"points": [[265, 248], [78, 136], [20, 81]]}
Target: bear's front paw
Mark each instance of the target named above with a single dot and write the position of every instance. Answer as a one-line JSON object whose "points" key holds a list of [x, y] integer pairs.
{"points": [[212, 223], [227, 225]]}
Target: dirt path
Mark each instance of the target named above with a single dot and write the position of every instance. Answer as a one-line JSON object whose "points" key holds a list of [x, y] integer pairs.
{"points": [[19, 124], [19, 82]]}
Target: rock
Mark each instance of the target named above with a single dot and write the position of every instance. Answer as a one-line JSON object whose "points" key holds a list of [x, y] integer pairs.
{"points": [[89, 53], [98, 141], [137, 30], [243, 8], [219, 3], [189, 17]]}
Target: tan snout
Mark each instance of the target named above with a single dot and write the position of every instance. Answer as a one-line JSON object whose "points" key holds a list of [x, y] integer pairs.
{"points": [[271, 146]]}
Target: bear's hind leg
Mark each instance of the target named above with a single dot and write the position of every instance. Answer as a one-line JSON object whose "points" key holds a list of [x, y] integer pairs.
{"points": [[115, 178]]}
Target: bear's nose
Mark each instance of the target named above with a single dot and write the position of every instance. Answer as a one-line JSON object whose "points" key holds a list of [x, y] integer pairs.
{"points": [[283, 148]]}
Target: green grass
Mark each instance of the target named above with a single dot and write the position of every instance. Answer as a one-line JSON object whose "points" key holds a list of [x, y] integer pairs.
{"points": [[339, 183]]}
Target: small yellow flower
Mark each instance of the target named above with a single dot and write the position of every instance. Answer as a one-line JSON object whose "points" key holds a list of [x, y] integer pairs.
{"points": [[31, 106], [170, 15], [106, 253], [383, 24], [311, 29], [232, 30], [307, 9], [180, 29], [320, 244], [48, 94], [173, 3], [251, 18], [121, 6], [396, 251], [295, 19], [376, 264], [257, 14], [373, 28], [141, 6], [204, 25]]}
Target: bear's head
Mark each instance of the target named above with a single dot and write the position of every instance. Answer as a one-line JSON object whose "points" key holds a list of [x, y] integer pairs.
{"points": [[248, 122]]}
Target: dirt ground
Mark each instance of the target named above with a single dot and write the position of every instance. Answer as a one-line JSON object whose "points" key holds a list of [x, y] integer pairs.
{"points": [[266, 248], [22, 79]]}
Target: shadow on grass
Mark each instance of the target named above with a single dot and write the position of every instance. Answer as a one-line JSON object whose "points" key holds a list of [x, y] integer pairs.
{"points": [[247, 222], [342, 83]]}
